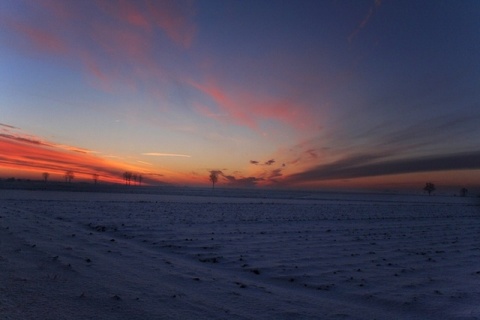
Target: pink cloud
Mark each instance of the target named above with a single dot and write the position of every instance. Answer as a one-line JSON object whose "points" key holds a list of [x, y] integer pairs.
{"points": [[114, 41], [172, 17], [175, 20], [234, 112], [250, 109], [41, 39], [122, 55], [59, 9], [127, 11], [104, 80]]}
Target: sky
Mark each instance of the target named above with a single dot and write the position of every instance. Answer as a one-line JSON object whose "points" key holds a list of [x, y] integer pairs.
{"points": [[289, 94]]}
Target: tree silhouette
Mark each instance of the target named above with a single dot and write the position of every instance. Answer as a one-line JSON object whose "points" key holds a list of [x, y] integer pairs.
{"points": [[69, 175], [213, 177], [140, 179], [95, 178], [134, 177], [127, 175], [463, 192], [429, 187], [45, 176]]}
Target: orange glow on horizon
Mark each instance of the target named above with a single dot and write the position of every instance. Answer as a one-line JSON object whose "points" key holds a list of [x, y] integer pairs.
{"points": [[38, 158], [31, 157]]}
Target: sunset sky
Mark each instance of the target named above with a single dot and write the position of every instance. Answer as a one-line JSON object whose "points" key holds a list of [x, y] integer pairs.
{"points": [[298, 94]]}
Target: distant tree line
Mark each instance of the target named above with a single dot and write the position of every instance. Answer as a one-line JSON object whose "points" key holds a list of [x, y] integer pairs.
{"points": [[13, 179], [129, 176], [69, 176]]}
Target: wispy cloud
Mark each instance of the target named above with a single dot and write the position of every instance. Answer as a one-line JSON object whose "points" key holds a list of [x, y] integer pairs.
{"points": [[40, 142], [39, 38], [174, 18], [25, 139], [7, 126], [371, 12], [115, 41], [160, 154], [235, 105]]}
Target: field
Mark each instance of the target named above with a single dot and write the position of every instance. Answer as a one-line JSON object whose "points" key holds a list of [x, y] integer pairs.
{"points": [[238, 255]]}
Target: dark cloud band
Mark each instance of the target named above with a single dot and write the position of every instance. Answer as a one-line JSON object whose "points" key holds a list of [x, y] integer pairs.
{"points": [[365, 166]]}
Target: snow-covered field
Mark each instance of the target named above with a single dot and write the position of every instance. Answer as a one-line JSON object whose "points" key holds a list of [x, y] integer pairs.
{"points": [[72, 255]]}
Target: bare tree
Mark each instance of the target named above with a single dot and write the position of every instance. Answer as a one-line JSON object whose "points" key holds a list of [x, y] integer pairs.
{"points": [[213, 177], [140, 179], [463, 192], [429, 187], [127, 175], [95, 178], [45, 176], [69, 175]]}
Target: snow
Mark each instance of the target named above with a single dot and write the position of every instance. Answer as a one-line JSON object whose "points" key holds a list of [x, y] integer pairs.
{"points": [[238, 255]]}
